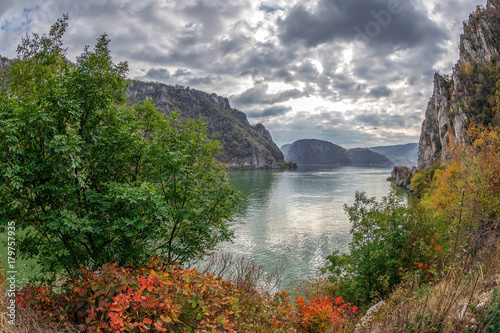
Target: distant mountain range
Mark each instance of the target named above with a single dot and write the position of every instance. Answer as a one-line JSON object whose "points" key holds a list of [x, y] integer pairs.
{"points": [[312, 151], [400, 155]]}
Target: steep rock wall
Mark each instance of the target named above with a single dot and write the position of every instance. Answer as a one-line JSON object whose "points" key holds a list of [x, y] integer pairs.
{"points": [[465, 95]]}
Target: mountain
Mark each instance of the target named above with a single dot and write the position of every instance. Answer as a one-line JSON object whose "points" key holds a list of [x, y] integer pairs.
{"points": [[366, 157], [311, 151], [242, 145], [470, 94], [403, 155]]}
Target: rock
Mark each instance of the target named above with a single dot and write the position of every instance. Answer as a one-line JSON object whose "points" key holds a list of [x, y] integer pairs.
{"points": [[263, 131], [402, 176], [368, 317]]}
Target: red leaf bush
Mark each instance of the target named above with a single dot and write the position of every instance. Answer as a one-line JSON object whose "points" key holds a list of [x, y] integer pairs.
{"points": [[161, 298]]}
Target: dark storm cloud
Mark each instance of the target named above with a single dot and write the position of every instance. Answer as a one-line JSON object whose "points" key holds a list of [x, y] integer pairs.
{"points": [[393, 22], [273, 111], [158, 74], [204, 81], [381, 91], [259, 95], [386, 120]]}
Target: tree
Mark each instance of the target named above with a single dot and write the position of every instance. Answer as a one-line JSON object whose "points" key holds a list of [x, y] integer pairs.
{"points": [[90, 180], [379, 250]]}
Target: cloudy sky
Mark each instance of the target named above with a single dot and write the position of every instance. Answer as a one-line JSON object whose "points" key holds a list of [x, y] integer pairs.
{"points": [[353, 72]]}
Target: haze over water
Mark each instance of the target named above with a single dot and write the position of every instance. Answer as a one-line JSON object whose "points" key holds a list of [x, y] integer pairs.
{"points": [[297, 217]]}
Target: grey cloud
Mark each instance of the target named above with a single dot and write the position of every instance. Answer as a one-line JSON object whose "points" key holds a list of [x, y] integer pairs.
{"points": [[273, 111], [387, 120], [159, 74], [380, 91], [340, 19], [259, 95], [203, 81], [181, 73], [5, 5]]}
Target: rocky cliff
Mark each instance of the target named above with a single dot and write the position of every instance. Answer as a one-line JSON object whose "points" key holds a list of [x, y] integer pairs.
{"points": [[402, 176], [469, 94], [242, 145], [311, 151], [366, 157]]}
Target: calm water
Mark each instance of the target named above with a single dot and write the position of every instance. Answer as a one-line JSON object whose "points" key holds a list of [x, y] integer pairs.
{"points": [[297, 217]]}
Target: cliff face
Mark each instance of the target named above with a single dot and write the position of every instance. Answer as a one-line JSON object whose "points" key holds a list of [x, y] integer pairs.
{"points": [[468, 94], [310, 151], [242, 145]]}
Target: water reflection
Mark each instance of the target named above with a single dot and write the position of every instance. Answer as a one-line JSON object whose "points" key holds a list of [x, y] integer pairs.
{"points": [[297, 217]]}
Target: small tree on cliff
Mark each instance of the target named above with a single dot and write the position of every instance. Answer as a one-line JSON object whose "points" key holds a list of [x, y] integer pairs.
{"points": [[90, 180]]}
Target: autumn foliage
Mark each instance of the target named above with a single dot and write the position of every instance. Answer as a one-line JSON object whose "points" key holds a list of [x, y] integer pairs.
{"points": [[469, 188], [324, 314], [170, 299]]}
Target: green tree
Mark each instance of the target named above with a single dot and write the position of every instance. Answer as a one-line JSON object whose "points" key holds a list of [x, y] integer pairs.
{"points": [[377, 252], [89, 180]]}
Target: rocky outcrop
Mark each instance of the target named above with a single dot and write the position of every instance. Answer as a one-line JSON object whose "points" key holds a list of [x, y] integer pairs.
{"points": [[242, 145], [311, 151], [464, 96], [402, 176], [366, 157], [404, 155]]}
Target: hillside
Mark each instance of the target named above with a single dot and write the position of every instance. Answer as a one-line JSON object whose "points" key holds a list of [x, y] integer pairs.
{"points": [[402, 155], [311, 151], [242, 145], [366, 157]]}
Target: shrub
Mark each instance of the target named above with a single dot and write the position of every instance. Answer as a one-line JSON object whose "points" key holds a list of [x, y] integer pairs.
{"points": [[161, 298], [389, 237], [324, 314]]}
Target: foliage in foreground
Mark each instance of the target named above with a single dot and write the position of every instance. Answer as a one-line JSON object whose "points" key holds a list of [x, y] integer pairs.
{"points": [[88, 180], [435, 261], [170, 299], [389, 238]]}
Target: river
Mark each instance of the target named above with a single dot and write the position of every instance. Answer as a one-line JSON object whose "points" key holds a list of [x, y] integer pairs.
{"points": [[297, 217]]}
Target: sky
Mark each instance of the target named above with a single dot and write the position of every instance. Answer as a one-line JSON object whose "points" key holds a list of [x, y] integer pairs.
{"points": [[357, 73]]}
